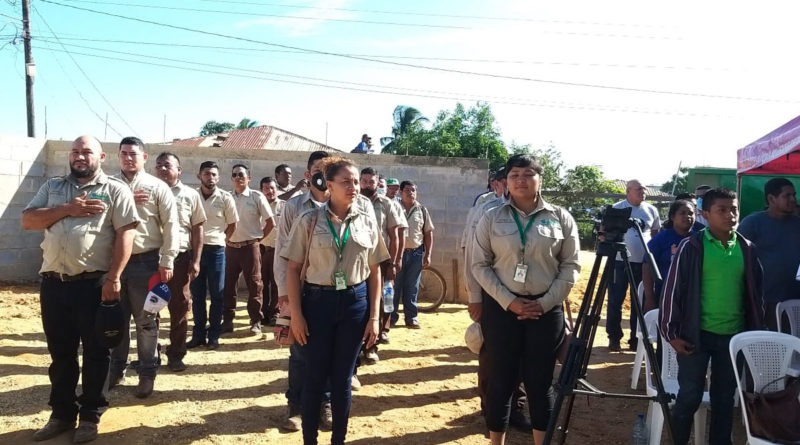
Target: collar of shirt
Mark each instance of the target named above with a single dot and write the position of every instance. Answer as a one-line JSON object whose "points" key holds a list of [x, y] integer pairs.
{"points": [[179, 185], [246, 192], [719, 243], [99, 178], [541, 205], [132, 180], [351, 213], [216, 192]]}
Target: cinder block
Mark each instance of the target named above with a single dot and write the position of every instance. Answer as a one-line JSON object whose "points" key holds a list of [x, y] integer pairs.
{"points": [[22, 197], [9, 256], [33, 168]]}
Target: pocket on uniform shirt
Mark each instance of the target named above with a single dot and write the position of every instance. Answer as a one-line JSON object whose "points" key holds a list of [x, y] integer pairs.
{"points": [[362, 238], [504, 229], [321, 240]]}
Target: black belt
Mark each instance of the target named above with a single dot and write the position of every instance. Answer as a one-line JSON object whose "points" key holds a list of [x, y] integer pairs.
{"points": [[529, 297], [144, 256], [328, 288], [81, 276]]}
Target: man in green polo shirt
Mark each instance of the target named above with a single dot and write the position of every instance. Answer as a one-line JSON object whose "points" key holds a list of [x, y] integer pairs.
{"points": [[712, 292]]}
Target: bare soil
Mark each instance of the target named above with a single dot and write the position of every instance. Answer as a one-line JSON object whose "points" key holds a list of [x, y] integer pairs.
{"points": [[423, 390]]}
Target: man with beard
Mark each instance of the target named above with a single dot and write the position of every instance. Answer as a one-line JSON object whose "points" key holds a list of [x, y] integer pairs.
{"points": [[88, 220], [221, 218], [155, 247], [191, 217], [390, 220]]}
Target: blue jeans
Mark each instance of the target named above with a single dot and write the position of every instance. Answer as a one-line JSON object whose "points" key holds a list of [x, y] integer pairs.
{"points": [[692, 380], [406, 284], [336, 322], [617, 290], [134, 291], [212, 279], [297, 375]]}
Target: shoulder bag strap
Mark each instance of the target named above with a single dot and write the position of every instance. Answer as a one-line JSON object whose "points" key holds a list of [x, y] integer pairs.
{"points": [[308, 248]]}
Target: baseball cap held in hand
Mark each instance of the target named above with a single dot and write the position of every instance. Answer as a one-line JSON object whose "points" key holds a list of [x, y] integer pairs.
{"points": [[159, 295]]}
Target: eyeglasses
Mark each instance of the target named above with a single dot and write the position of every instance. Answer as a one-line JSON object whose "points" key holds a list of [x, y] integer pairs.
{"points": [[238, 175]]}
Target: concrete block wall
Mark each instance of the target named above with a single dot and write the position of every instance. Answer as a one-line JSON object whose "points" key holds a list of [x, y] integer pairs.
{"points": [[446, 186], [22, 171]]}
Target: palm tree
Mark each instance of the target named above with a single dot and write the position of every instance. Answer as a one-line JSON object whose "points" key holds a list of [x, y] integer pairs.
{"points": [[247, 123], [405, 119]]}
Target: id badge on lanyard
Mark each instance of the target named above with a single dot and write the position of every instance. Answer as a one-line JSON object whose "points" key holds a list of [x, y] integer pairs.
{"points": [[521, 271], [339, 279]]}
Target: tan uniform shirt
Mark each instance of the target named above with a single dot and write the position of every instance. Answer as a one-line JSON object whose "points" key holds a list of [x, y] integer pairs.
{"points": [[419, 223], [551, 254], [253, 210], [220, 212], [474, 215], [74, 245], [277, 210], [159, 227], [363, 249], [282, 190], [387, 214], [190, 213]]}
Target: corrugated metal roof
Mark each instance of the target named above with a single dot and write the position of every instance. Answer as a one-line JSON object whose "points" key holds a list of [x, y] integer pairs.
{"points": [[264, 137]]}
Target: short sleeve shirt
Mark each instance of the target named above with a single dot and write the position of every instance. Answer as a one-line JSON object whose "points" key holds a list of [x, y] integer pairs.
{"points": [[387, 214], [190, 213], [648, 214], [419, 223], [74, 245], [363, 249], [253, 210], [220, 212], [277, 210]]}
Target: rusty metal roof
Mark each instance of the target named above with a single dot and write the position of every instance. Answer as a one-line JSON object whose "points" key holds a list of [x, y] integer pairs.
{"points": [[264, 137]]}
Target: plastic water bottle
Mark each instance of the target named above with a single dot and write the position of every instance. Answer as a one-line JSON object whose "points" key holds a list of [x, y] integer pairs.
{"points": [[639, 436], [388, 297]]}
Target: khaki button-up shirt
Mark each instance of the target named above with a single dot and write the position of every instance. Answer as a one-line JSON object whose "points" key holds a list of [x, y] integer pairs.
{"points": [[419, 223], [363, 248], [159, 227], [474, 215], [254, 211], [220, 212], [74, 245], [277, 210], [551, 254], [387, 214], [190, 213]]}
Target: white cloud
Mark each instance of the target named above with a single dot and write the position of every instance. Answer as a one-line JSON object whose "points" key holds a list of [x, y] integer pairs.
{"points": [[304, 22]]}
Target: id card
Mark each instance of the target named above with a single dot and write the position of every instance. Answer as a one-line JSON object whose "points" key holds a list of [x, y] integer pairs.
{"points": [[520, 273], [341, 283]]}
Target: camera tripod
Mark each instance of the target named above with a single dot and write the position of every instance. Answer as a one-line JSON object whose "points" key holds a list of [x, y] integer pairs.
{"points": [[573, 370]]}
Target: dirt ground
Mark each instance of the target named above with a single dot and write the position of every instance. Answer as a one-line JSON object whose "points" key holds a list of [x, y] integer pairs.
{"points": [[421, 392]]}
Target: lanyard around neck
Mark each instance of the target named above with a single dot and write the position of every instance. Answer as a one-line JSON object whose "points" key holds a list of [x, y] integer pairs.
{"points": [[522, 232], [339, 243]]}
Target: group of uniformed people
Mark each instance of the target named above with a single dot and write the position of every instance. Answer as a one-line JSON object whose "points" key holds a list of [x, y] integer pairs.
{"points": [[336, 248]]}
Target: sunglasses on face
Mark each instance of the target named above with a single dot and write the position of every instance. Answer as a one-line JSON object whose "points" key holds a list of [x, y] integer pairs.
{"points": [[238, 175]]}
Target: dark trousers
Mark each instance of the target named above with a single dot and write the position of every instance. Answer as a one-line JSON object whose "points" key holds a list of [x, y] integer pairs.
{"points": [[297, 376], [336, 322], [692, 370], [406, 285], [512, 345], [68, 314], [243, 260], [616, 296], [179, 303], [771, 320], [270, 307], [212, 279]]}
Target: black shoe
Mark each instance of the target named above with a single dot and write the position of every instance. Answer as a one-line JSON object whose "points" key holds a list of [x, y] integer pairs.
{"points": [[613, 345], [86, 432], [212, 344], [176, 365], [195, 342], [145, 387], [53, 428], [518, 421], [227, 327]]}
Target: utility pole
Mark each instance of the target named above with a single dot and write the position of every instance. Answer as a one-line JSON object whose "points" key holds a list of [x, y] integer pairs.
{"points": [[30, 67]]}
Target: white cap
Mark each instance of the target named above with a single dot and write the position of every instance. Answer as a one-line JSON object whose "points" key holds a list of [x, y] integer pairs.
{"points": [[474, 337]]}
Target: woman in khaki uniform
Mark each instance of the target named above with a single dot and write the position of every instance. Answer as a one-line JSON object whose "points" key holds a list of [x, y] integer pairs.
{"points": [[334, 286], [525, 257]]}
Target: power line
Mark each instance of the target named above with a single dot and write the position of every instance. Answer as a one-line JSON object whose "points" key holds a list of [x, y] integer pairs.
{"points": [[442, 95], [280, 16], [87, 76], [430, 68], [11, 17]]}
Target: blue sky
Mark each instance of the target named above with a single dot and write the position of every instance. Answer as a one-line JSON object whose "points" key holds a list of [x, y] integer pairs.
{"points": [[633, 87]]}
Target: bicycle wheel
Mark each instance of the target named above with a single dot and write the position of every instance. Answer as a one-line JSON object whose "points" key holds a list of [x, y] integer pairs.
{"points": [[432, 290]]}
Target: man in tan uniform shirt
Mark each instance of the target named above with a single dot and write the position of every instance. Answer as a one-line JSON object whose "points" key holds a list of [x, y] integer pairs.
{"points": [[88, 220], [269, 187], [155, 247], [191, 217]]}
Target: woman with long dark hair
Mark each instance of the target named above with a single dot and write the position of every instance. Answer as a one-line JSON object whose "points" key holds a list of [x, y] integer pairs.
{"points": [[334, 285], [525, 257]]}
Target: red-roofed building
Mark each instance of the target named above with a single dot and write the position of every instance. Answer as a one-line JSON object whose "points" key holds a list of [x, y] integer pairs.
{"points": [[264, 137]]}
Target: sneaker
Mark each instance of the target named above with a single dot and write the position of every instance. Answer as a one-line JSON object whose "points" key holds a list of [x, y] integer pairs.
{"points": [[176, 364], [212, 344], [145, 387], [195, 342], [293, 422], [384, 338], [326, 416], [255, 328], [53, 428], [86, 432], [371, 357], [413, 324], [115, 379], [355, 384], [613, 345], [227, 326]]}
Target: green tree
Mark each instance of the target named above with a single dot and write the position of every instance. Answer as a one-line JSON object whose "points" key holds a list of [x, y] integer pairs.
{"points": [[550, 159], [680, 178], [407, 120], [214, 127], [246, 123], [580, 183]]}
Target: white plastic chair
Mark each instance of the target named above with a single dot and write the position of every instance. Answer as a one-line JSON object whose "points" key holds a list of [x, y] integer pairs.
{"points": [[792, 310], [639, 359], [768, 356], [669, 376]]}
